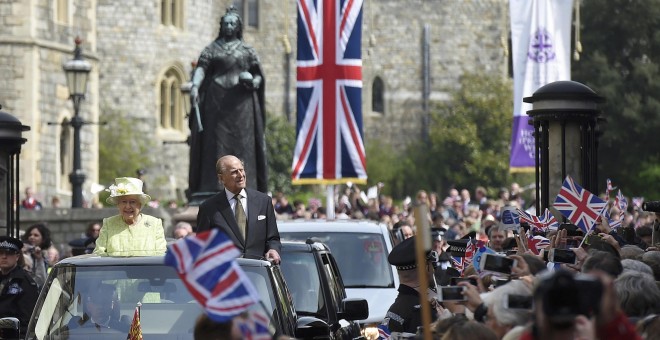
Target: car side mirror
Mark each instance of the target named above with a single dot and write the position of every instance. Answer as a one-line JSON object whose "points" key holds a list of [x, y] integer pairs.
{"points": [[354, 309], [10, 329], [308, 327]]}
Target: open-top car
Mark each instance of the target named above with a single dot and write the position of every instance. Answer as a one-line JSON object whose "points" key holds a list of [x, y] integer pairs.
{"points": [[167, 311]]}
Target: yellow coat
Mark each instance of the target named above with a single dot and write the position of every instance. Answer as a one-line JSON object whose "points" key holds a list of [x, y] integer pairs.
{"points": [[145, 238]]}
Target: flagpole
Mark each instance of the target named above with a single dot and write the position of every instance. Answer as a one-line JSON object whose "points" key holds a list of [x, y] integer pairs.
{"points": [[330, 202], [139, 307]]}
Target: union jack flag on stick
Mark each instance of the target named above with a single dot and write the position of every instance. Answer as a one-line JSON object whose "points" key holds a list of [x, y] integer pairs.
{"points": [[206, 263], [543, 222], [608, 188], [621, 203], [580, 206], [329, 144]]}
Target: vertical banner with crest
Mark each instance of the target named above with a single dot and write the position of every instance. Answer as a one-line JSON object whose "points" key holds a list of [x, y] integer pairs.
{"points": [[541, 51]]}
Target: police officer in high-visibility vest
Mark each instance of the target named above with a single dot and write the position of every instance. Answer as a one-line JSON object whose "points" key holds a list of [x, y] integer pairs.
{"points": [[18, 290]]}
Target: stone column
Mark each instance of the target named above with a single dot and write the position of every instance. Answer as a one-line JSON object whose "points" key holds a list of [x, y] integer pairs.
{"points": [[565, 115]]}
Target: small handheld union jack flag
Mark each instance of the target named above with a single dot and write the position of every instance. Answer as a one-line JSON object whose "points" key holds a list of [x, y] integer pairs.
{"points": [[206, 263], [621, 203], [543, 222], [536, 243], [580, 206], [608, 188], [383, 332]]}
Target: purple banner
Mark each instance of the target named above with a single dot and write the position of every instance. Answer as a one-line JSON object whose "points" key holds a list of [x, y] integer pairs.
{"points": [[522, 145]]}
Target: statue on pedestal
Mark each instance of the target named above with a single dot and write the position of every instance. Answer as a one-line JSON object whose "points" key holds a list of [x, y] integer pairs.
{"points": [[228, 116]]}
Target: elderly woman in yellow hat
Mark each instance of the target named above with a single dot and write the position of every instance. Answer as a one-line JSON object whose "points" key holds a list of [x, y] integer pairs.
{"points": [[130, 233]]}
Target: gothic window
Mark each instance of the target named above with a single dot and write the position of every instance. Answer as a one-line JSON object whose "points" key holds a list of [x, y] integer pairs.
{"points": [[171, 13], [249, 12], [378, 95], [171, 104], [61, 9], [66, 154]]}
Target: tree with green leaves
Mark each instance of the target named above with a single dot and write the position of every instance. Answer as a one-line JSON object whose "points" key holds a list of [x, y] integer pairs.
{"points": [[280, 141], [122, 149], [470, 138], [621, 41]]}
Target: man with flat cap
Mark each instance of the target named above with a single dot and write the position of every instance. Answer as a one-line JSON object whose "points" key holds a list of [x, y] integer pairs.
{"points": [[18, 290], [405, 314]]}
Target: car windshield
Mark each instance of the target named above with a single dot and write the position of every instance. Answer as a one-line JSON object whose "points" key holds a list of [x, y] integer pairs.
{"points": [[98, 302], [361, 257]]}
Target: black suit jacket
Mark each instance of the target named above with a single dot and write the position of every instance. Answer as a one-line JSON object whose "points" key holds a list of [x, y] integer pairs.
{"points": [[261, 229]]}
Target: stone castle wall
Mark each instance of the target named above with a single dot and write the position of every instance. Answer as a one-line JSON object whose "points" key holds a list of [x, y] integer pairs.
{"points": [[130, 50]]}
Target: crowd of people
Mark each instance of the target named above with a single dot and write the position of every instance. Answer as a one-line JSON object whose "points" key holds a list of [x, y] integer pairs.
{"points": [[615, 273], [618, 268]]}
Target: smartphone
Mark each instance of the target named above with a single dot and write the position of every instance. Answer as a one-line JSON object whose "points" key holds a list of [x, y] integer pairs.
{"points": [[562, 256], [497, 263], [451, 293], [515, 301], [511, 252], [453, 281]]}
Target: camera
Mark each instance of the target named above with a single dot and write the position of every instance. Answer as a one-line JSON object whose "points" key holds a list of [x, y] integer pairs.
{"points": [[497, 263], [451, 293], [562, 256], [565, 296], [652, 206]]}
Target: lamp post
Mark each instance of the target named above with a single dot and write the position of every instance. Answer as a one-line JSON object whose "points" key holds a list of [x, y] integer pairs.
{"points": [[77, 71]]}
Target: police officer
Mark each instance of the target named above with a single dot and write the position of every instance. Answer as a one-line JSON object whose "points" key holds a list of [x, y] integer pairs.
{"points": [[405, 314], [18, 290]]}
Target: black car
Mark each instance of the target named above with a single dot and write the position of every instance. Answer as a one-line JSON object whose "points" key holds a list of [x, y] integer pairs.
{"points": [[318, 291], [168, 311]]}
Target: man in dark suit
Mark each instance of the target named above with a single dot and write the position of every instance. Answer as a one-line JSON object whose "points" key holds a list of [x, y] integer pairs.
{"points": [[247, 216]]}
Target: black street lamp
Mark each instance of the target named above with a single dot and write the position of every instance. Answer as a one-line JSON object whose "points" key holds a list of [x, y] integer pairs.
{"points": [[77, 71]]}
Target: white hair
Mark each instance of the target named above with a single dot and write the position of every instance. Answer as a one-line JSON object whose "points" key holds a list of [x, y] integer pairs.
{"points": [[635, 266]]}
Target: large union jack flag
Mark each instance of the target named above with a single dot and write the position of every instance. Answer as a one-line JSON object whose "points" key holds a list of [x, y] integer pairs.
{"points": [[206, 263], [580, 206], [329, 143]]}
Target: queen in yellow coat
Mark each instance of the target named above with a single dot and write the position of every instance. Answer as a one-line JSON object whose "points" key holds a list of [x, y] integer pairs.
{"points": [[130, 233]]}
